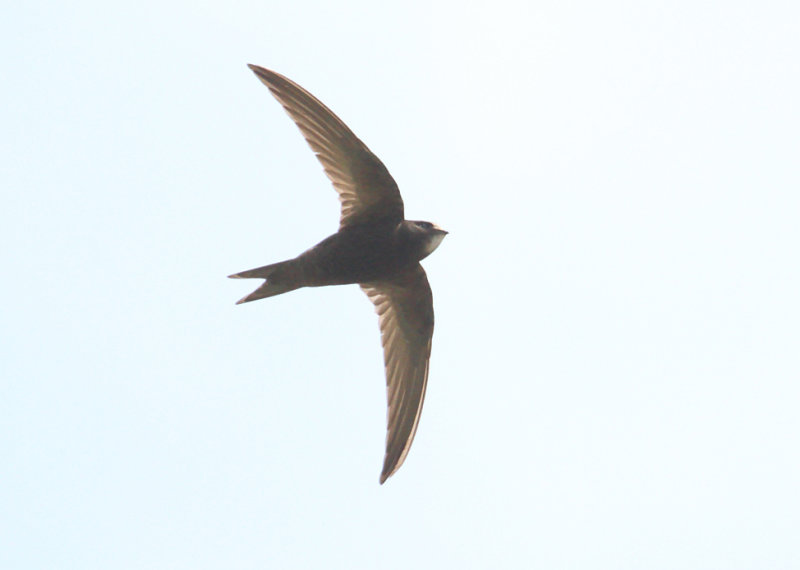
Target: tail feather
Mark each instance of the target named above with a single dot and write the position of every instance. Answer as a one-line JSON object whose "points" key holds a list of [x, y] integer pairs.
{"points": [[259, 272], [280, 278], [266, 290]]}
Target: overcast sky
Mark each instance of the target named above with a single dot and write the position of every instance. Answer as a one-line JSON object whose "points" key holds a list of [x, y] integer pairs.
{"points": [[615, 374]]}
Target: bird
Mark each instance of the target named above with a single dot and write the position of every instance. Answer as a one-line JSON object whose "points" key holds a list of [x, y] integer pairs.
{"points": [[374, 247]]}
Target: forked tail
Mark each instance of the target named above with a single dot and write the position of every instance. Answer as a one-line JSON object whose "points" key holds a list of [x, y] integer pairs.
{"points": [[280, 278]]}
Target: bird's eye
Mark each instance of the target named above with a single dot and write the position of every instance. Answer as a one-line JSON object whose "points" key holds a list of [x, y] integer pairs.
{"points": [[426, 225]]}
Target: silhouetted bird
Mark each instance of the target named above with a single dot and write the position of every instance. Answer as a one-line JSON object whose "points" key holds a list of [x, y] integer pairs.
{"points": [[375, 247]]}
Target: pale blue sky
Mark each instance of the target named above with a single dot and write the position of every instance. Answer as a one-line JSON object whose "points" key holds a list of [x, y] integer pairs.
{"points": [[614, 379]]}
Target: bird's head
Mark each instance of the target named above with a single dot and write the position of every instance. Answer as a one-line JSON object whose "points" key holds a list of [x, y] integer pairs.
{"points": [[428, 235]]}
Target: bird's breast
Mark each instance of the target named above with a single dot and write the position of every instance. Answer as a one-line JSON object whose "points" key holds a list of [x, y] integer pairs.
{"points": [[356, 255]]}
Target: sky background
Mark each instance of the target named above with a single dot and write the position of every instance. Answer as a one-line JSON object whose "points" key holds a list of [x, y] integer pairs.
{"points": [[615, 374]]}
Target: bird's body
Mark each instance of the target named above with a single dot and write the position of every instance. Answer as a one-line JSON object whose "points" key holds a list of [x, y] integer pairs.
{"points": [[375, 247], [355, 254]]}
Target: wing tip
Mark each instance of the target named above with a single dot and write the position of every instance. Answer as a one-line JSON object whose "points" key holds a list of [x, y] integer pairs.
{"points": [[261, 72], [390, 467]]}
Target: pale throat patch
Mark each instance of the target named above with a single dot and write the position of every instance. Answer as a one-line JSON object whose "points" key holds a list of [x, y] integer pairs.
{"points": [[432, 243]]}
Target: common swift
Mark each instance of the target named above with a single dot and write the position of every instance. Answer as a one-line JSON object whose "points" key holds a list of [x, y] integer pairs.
{"points": [[375, 247]]}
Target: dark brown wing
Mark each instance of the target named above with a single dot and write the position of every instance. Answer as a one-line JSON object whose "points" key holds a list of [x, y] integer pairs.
{"points": [[405, 311], [366, 189]]}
